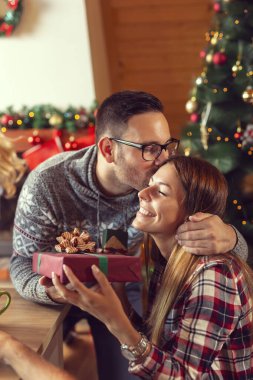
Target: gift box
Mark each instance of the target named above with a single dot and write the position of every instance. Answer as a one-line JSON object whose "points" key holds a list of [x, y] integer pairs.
{"points": [[117, 268]]}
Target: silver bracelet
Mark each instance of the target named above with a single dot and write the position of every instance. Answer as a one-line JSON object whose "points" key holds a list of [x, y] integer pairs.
{"points": [[135, 353]]}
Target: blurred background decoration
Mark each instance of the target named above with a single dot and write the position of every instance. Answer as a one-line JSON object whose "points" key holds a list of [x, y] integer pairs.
{"points": [[220, 107]]}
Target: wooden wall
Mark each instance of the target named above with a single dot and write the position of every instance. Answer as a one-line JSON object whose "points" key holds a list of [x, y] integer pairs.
{"points": [[153, 45]]}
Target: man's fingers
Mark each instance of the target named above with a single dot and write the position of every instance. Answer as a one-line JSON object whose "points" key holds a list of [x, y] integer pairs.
{"points": [[199, 216], [199, 251]]}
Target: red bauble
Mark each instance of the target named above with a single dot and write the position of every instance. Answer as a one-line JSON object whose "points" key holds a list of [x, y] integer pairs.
{"points": [[194, 117], [34, 140], [67, 145], [6, 119], [217, 7], [237, 135], [74, 145], [219, 58], [6, 28], [13, 4], [202, 54]]}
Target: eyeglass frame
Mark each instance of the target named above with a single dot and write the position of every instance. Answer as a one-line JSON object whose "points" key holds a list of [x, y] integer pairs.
{"points": [[143, 146]]}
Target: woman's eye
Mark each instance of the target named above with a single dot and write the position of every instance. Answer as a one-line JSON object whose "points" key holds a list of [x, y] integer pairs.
{"points": [[160, 192]]}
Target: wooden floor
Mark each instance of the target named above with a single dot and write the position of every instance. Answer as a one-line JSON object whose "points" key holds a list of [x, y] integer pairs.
{"points": [[79, 354]]}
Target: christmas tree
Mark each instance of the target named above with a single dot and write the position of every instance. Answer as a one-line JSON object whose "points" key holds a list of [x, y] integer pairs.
{"points": [[220, 129]]}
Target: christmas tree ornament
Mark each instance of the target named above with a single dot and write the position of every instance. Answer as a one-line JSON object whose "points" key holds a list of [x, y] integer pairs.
{"points": [[247, 136], [194, 117], [6, 120], [199, 81], [35, 138], [192, 105], [209, 57], [203, 129], [248, 95], [219, 58], [202, 54], [217, 7], [11, 18]]}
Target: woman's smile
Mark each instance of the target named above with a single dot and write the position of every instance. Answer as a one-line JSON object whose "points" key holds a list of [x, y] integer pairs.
{"points": [[145, 212]]}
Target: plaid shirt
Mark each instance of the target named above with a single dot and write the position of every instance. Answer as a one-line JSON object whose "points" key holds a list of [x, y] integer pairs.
{"points": [[207, 333]]}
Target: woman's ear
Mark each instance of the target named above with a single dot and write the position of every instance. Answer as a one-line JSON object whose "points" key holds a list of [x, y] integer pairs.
{"points": [[105, 146]]}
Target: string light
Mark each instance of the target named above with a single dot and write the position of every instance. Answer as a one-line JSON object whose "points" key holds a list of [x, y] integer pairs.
{"points": [[187, 152]]}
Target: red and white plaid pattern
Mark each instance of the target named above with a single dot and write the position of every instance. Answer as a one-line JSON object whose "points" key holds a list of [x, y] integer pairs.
{"points": [[207, 333]]}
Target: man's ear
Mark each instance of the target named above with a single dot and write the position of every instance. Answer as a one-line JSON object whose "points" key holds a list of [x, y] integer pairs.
{"points": [[105, 146]]}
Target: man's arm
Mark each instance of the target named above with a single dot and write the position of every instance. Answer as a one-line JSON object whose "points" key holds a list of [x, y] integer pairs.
{"points": [[208, 234], [26, 363], [35, 228]]}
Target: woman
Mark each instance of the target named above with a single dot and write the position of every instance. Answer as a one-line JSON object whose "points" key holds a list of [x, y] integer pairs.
{"points": [[199, 320], [12, 176]]}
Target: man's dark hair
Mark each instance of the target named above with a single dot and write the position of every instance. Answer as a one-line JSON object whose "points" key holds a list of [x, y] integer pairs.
{"points": [[115, 111]]}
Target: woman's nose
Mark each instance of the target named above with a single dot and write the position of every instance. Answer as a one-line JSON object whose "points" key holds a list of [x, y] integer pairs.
{"points": [[144, 194]]}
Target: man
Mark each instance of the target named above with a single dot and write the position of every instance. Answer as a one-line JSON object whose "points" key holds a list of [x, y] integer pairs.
{"points": [[96, 189]]}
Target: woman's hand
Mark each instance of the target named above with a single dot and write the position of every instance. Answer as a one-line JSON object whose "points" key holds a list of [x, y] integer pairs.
{"points": [[101, 300]]}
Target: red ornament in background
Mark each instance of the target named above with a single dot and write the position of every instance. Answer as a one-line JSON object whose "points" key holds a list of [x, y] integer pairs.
{"points": [[237, 135], [194, 117], [6, 120], [71, 145], [13, 4], [217, 7], [202, 54], [41, 152], [34, 140], [6, 28], [219, 58]]}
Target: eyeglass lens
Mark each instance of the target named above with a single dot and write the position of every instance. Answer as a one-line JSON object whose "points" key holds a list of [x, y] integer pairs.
{"points": [[151, 152]]}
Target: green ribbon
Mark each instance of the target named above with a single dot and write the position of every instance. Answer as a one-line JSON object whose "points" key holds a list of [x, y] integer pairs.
{"points": [[102, 263]]}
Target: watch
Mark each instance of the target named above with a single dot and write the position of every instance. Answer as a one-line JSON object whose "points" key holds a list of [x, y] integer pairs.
{"points": [[134, 353]]}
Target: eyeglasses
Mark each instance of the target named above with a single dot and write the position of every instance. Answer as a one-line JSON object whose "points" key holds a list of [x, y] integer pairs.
{"points": [[151, 152]]}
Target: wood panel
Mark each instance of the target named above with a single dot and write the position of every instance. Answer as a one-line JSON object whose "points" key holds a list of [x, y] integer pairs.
{"points": [[153, 45]]}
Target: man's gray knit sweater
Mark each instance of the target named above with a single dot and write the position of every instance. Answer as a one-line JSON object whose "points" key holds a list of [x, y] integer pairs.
{"points": [[59, 195]]}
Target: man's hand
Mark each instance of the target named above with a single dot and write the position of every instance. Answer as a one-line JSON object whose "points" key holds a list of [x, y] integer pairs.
{"points": [[206, 234], [51, 290]]}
